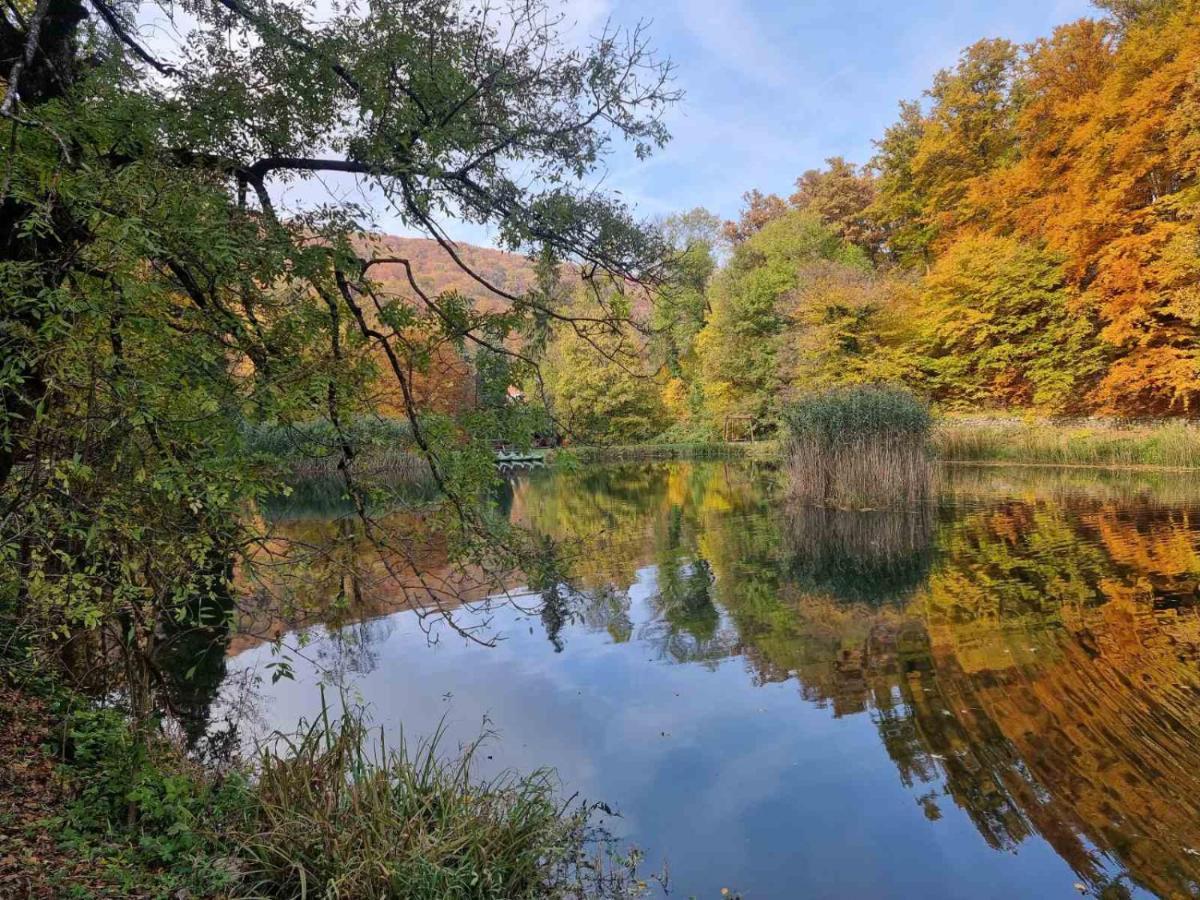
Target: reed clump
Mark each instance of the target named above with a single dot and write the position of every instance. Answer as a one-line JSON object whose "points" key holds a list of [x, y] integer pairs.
{"points": [[340, 813], [860, 447], [314, 449]]}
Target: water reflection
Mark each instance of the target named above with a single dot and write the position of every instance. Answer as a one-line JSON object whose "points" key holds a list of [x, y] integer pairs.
{"points": [[1025, 653]]}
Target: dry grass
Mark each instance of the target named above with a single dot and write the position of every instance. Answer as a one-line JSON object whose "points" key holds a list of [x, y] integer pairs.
{"points": [[1080, 442], [860, 474]]}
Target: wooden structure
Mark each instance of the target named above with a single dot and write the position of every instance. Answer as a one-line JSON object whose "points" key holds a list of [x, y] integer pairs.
{"points": [[732, 433]]}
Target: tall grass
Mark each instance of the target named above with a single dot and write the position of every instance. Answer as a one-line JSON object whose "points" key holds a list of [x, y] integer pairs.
{"points": [[313, 449], [342, 814], [861, 446], [1085, 443], [635, 452]]}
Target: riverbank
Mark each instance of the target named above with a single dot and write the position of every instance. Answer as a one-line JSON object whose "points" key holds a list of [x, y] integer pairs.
{"points": [[637, 452], [1096, 443], [1009, 440], [100, 809]]}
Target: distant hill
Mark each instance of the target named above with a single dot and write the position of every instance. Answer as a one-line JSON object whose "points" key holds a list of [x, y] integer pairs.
{"points": [[437, 273], [448, 385]]}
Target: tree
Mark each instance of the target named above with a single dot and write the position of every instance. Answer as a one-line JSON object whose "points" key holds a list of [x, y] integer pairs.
{"points": [[738, 347], [600, 387], [928, 162], [1127, 215], [1107, 180], [849, 325], [999, 327], [840, 196], [899, 205], [155, 295], [759, 210], [696, 226]]}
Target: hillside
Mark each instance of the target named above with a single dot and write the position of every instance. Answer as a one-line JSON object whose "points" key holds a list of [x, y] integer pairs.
{"points": [[437, 273]]}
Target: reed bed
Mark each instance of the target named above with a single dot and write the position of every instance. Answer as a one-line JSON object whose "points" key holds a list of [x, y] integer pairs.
{"points": [[860, 447], [1174, 445], [313, 449]]}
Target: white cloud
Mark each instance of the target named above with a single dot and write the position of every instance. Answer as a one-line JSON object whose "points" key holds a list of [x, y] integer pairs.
{"points": [[728, 32]]}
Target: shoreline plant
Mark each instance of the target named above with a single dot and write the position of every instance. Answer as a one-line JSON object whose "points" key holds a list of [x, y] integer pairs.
{"points": [[859, 446]]}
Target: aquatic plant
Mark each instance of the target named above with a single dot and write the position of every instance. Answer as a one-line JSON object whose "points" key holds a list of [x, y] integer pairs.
{"points": [[340, 813], [1086, 442], [860, 446]]}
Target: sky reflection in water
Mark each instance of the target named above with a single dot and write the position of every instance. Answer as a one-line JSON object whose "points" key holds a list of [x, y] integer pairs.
{"points": [[995, 697]]}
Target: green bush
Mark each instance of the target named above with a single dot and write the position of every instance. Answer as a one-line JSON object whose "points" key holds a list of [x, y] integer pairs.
{"points": [[154, 817]]}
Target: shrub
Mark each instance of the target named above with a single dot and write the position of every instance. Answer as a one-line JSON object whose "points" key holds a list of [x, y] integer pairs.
{"points": [[864, 445]]}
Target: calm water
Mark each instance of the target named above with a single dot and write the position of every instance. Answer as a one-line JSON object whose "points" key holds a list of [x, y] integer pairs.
{"points": [[995, 696]]}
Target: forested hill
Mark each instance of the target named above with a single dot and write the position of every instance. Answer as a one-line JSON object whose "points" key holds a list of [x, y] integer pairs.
{"points": [[436, 272]]}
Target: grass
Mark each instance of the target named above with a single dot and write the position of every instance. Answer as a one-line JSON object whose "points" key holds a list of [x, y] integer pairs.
{"points": [[863, 446], [313, 449], [1092, 442], [331, 811], [340, 814]]}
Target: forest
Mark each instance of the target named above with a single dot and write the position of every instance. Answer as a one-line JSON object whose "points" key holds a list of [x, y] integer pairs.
{"points": [[1024, 238]]}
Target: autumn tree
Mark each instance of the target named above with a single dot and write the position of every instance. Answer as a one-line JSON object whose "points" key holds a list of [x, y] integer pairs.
{"points": [[927, 162], [998, 326], [1125, 210], [758, 210], [849, 324], [841, 195]]}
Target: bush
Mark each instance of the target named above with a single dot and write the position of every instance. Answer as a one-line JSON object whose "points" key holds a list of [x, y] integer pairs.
{"points": [[153, 816], [865, 445]]}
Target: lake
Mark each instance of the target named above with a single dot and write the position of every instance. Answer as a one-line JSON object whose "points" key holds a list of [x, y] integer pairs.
{"points": [[995, 695]]}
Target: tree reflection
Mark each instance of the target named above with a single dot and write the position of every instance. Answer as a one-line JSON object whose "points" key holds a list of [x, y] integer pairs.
{"points": [[1032, 661], [1026, 653]]}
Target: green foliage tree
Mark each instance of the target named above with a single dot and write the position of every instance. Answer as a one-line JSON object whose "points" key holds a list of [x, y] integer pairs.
{"points": [[155, 293], [739, 346], [999, 327], [600, 386]]}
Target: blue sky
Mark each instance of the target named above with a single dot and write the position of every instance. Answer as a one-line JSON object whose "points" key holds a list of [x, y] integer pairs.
{"points": [[774, 88]]}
